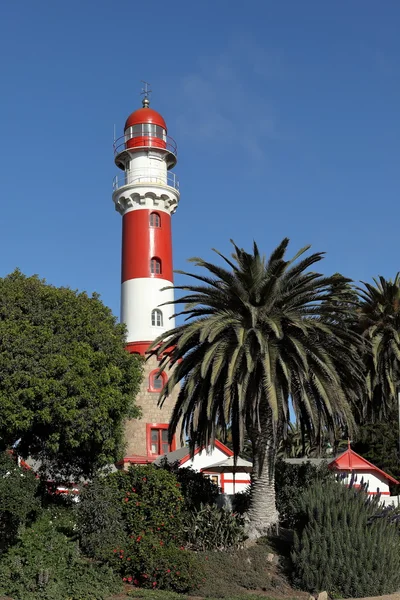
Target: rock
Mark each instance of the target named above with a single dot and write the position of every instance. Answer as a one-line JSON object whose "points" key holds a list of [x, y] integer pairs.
{"points": [[323, 596], [270, 558]]}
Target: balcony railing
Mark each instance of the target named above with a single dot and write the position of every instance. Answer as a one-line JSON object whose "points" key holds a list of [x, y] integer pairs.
{"points": [[150, 175], [144, 140]]}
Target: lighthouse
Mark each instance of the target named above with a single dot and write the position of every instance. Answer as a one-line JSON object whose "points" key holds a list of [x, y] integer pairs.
{"points": [[146, 194]]}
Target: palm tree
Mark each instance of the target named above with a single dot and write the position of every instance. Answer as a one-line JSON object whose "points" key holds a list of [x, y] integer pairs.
{"points": [[298, 444], [379, 322], [256, 335]]}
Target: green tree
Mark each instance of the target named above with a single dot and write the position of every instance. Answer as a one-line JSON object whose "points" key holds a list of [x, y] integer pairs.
{"points": [[66, 381], [257, 335], [379, 443], [379, 323]]}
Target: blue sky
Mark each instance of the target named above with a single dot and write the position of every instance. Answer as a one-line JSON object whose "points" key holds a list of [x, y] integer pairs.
{"points": [[286, 116]]}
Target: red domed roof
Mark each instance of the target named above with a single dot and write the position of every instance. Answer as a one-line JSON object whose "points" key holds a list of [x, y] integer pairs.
{"points": [[145, 115]]}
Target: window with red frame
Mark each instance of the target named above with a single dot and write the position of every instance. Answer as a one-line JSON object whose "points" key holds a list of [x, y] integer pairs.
{"points": [[156, 381], [159, 440]]}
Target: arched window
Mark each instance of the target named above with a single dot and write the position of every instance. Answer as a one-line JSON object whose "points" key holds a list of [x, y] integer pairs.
{"points": [[155, 220], [156, 318], [157, 381], [155, 266]]}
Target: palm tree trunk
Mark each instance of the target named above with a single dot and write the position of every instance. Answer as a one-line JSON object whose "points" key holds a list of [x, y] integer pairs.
{"points": [[263, 514]]}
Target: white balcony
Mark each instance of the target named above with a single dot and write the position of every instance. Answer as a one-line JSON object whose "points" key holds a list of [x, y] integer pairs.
{"points": [[151, 176]]}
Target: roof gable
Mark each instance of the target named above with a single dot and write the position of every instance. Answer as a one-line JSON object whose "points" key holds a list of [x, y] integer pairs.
{"points": [[351, 461], [224, 449]]}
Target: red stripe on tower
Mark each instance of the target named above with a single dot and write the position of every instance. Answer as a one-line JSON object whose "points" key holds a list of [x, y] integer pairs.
{"points": [[146, 245]]}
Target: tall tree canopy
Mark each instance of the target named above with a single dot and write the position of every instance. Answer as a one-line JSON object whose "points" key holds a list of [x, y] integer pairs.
{"points": [[66, 381], [257, 334], [379, 323]]}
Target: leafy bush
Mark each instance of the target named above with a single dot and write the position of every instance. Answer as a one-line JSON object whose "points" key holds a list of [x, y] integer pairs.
{"points": [[18, 499], [341, 545], [46, 565], [241, 501], [99, 520], [196, 489], [290, 481], [213, 528]]}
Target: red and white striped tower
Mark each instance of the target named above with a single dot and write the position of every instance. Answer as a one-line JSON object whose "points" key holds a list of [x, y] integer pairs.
{"points": [[146, 195]]}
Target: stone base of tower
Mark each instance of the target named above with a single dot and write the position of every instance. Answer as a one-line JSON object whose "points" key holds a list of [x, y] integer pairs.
{"points": [[146, 438]]}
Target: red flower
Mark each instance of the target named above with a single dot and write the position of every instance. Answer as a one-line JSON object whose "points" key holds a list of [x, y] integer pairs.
{"points": [[154, 583], [135, 581], [129, 578], [168, 571], [126, 499], [138, 538]]}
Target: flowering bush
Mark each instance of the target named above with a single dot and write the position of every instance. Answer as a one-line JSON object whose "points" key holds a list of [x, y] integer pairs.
{"points": [[146, 562], [151, 503]]}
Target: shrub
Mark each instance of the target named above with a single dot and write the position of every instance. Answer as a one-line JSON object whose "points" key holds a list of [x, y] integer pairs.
{"points": [[151, 502], [18, 499], [290, 481], [146, 562], [227, 574], [241, 501], [341, 547], [196, 489], [45, 564], [99, 520], [213, 528]]}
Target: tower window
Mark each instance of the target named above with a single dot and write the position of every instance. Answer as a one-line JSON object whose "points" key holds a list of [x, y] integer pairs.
{"points": [[155, 266], [155, 220], [156, 381], [157, 439], [156, 318]]}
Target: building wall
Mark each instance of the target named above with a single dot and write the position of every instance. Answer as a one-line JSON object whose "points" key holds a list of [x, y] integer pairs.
{"points": [[374, 480], [135, 429]]}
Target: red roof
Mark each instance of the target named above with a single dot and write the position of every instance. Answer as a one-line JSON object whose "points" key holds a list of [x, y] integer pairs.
{"points": [[351, 461], [145, 115]]}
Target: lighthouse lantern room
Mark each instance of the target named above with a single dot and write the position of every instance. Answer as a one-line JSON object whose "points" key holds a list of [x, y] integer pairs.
{"points": [[146, 194]]}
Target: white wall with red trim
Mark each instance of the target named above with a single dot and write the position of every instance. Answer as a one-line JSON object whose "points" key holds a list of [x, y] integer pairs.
{"points": [[228, 482], [376, 482]]}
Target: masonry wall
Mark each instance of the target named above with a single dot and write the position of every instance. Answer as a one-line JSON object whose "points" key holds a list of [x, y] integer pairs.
{"points": [[136, 429]]}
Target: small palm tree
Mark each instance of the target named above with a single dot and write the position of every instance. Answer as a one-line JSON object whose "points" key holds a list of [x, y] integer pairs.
{"points": [[259, 334], [379, 322]]}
